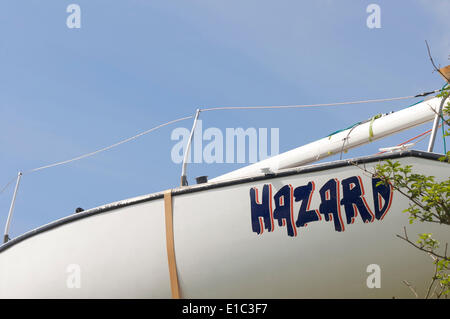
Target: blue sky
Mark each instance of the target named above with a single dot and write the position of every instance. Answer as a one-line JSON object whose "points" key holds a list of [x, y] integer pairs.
{"points": [[135, 64]]}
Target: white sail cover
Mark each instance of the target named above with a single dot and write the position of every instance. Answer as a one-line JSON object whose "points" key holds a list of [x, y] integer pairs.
{"points": [[362, 134]]}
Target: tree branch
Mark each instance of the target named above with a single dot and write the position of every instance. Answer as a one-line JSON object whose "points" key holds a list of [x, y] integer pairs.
{"points": [[432, 62], [432, 281], [421, 248], [411, 288]]}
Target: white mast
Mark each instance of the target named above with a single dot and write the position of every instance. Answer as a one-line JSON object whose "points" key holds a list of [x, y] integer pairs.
{"points": [[362, 134]]}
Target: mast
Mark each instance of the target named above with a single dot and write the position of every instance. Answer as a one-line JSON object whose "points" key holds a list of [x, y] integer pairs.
{"points": [[356, 136]]}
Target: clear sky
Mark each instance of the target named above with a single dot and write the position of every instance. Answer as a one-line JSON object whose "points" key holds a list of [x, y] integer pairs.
{"points": [[135, 64]]}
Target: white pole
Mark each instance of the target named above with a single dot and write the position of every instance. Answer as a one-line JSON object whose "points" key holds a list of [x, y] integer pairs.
{"points": [[186, 153], [362, 134], [435, 126], [11, 209]]}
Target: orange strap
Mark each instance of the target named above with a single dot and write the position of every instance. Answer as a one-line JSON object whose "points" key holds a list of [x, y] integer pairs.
{"points": [[170, 245]]}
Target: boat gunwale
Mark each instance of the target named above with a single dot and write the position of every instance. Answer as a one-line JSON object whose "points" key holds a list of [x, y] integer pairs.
{"points": [[207, 186]]}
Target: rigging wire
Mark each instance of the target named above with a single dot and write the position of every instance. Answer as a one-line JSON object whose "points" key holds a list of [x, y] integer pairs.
{"points": [[217, 109], [108, 147], [97, 151], [7, 185], [314, 105]]}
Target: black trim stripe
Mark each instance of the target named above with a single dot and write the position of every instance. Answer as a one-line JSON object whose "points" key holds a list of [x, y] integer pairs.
{"points": [[207, 186]]}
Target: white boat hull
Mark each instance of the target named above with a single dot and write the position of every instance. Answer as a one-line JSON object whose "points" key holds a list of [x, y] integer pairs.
{"points": [[120, 249]]}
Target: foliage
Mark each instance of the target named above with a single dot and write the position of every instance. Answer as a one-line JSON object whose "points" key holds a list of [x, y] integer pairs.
{"points": [[429, 199], [429, 202]]}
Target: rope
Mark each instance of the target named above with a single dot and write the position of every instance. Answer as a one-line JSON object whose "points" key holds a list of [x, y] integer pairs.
{"points": [[443, 134], [170, 245], [443, 123], [348, 135], [342, 130], [375, 117], [424, 134]]}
